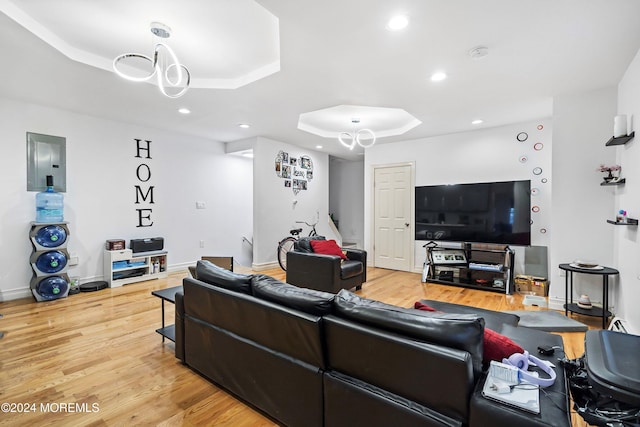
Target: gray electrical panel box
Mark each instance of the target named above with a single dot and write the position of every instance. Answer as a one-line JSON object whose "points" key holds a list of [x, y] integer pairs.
{"points": [[46, 155]]}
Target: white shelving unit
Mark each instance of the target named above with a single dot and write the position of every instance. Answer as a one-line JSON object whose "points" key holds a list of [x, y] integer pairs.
{"points": [[123, 267]]}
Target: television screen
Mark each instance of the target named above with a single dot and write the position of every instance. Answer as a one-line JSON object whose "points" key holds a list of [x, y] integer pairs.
{"points": [[488, 212]]}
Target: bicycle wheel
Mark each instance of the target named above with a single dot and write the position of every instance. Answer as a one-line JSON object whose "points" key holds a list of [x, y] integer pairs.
{"points": [[285, 246]]}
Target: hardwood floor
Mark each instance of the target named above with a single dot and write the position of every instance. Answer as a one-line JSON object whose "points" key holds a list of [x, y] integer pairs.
{"points": [[95, 359]]}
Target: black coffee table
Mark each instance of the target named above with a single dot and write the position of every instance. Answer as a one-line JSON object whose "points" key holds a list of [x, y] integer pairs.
{"points": [[169, 295]]}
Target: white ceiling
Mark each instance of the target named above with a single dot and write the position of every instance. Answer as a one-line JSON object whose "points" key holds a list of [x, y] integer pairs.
{"points": [[331, 53]]}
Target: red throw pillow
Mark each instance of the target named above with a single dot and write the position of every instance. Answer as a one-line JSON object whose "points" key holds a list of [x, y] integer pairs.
{"points": [[425, 307], [327, 247], [496, 346]]}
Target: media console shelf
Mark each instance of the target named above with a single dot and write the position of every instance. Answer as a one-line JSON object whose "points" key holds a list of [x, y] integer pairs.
{"points": [[485, 269], [123, 267]]}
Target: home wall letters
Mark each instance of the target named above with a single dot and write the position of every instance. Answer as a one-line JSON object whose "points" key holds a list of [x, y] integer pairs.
{"points": [[143, 173]]}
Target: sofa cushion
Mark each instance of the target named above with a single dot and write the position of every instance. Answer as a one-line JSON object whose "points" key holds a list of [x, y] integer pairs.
{"points": [[496, 346], [218, 276], [327, 247], [492, 319], [459, 331], [308, 300], [304, 243]]}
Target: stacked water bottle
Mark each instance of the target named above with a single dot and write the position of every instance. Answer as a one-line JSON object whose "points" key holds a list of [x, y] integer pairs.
{"points": [[49, 235]]}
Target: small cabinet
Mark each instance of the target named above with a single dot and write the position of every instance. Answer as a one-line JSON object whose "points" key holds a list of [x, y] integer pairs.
{"points": [[122, 267], [485, 269]]}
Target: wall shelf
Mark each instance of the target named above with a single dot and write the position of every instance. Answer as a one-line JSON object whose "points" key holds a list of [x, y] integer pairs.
{"points": [[629, 221], [621, 140], [619, 182]]}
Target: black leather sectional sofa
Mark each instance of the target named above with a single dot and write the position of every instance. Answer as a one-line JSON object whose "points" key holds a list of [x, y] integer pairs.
{"points": [[310, 358]]}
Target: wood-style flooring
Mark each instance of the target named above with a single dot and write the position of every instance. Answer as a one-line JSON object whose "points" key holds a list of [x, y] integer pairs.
{"points": [[94, 359]]}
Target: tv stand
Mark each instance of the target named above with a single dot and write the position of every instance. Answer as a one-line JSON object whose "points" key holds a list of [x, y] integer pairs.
{"points": [[469, 267]]}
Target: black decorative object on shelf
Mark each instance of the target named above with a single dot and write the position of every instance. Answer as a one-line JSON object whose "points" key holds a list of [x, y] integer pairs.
{"points": [[628, 221], [621, 140]]}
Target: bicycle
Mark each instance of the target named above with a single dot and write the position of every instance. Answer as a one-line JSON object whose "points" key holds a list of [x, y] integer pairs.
{"points": [[285, 245]]}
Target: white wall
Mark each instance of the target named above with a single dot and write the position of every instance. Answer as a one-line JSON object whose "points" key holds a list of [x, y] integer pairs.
{"points": [[491, 154], [277, 208], [582, 124], [627, 243], [100, 197], [346, 198]]}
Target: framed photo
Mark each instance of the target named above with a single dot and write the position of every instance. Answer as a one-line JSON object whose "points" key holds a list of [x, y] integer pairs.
{"points": [[305, 162]]}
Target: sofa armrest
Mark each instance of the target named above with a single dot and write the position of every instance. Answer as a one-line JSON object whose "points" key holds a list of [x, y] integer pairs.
{"points": [[314, 271], [554, 401], [359, 255], [179, 326]]}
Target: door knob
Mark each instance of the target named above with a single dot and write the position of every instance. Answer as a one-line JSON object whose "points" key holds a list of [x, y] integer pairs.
{"points": [[406, 224]]}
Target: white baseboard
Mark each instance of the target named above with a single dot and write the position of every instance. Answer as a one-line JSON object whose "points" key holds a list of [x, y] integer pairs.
{"points": [[16, 293], [265, 266], [556, 303], [173, 268]]}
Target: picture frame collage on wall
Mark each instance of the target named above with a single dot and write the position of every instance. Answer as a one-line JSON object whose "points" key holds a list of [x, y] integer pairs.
{"points": [[296, 172]]}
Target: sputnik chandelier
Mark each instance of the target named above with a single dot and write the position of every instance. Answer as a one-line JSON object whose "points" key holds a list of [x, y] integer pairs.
{"points": [[169, 72], [357, 136]]}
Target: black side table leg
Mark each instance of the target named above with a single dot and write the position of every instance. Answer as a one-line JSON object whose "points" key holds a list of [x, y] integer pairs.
{"points": [[163, 319], [605, 301], [566, 293]]}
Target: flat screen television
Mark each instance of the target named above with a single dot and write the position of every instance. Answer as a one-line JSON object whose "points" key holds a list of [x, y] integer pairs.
{"points": [[487, 212]]}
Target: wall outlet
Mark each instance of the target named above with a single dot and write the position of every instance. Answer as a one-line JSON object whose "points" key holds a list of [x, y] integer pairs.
{"points": [[73, 260], [201, 205], [202, 243]]}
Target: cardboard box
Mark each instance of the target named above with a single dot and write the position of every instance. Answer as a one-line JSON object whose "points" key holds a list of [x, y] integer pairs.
{"points": [[523, 283], [540, 286]]}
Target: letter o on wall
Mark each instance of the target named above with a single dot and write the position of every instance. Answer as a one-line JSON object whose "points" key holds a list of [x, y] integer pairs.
{"points": [[147, 172]]}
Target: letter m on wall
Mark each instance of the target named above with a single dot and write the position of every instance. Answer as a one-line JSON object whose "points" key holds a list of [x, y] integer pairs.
{"points": [[144, 196]]}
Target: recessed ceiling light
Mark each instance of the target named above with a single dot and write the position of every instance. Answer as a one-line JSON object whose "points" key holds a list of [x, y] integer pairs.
{"points": [[319, 147], [398, 22], [439, 76], [477, 122], [244, 126], [184, 111]]}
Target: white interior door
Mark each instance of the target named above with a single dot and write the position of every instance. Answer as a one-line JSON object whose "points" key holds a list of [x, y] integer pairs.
{"points": [[393, 217]]}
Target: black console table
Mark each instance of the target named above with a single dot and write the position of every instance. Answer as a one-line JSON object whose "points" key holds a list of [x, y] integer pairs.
{"points": [[569, 306]]}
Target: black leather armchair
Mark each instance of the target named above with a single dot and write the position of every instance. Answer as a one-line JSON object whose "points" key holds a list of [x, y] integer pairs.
{"points": [[328, 273]]}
